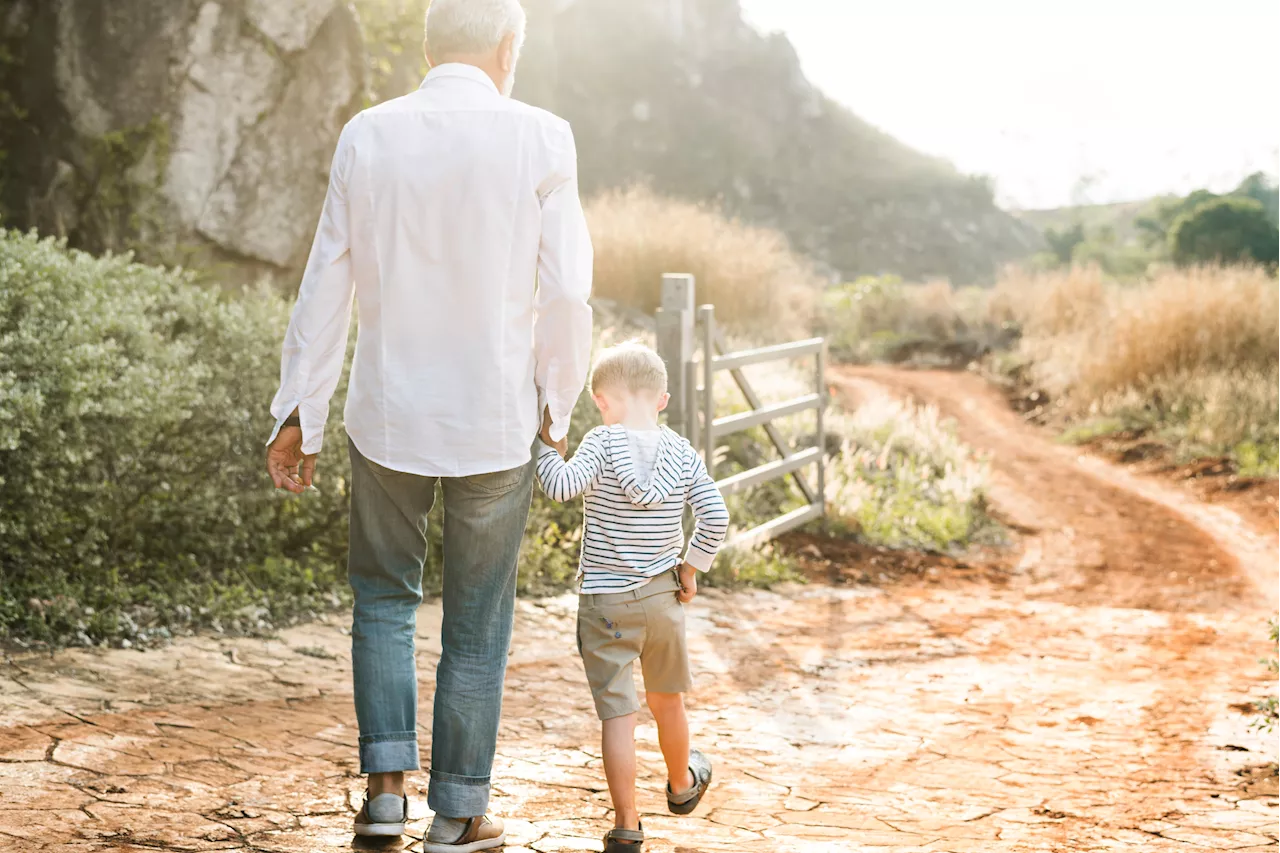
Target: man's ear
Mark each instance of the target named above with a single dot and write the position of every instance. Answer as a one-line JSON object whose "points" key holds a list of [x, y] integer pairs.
{"points": [[507, 53], [662, 402]]}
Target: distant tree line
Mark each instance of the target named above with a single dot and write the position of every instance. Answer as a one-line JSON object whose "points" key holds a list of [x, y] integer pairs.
{"points": [[1242, 226]]}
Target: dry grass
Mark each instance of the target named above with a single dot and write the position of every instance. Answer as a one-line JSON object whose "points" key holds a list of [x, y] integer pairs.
{"points": [[1190, 355], [1093, 338], [758, 285]]}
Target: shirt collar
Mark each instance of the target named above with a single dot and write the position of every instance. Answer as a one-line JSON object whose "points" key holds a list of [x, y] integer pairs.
{"points": [[462, 70]]}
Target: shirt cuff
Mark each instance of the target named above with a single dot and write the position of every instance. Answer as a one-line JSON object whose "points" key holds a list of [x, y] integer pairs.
{"points": [[699, 559], [312, 429]]}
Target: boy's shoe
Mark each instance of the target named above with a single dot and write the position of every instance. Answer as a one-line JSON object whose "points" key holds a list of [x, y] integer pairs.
{"points": [[383, 816], [686, 801], [624, 840], [478, 833]]}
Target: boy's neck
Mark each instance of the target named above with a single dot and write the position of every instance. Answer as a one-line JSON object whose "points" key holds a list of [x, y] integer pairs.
{"points": [[640, 421]]}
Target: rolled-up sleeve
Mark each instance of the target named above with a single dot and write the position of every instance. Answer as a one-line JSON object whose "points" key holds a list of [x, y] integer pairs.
{"points": [[316, 342], [562, 330]]}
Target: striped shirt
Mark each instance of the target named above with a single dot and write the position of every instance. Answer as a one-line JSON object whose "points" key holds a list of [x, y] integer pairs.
{"points": [[633, 530]]}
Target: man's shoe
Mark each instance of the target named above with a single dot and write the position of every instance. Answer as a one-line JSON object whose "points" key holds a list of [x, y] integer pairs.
{"points": [[383, 816], [479, 833]]}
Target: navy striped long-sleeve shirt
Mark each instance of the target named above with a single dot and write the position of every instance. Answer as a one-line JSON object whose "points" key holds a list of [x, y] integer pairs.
{"points": [[633, 530]]}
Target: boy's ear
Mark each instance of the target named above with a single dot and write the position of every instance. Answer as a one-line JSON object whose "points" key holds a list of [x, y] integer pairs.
{"points": [[662, 401], [601, 403]]}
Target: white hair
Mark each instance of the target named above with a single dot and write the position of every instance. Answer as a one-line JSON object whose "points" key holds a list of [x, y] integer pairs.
{"points": [[472, 26]]}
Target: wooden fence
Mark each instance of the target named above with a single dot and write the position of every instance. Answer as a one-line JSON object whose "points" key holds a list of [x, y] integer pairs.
{"points": [[694, 351]]}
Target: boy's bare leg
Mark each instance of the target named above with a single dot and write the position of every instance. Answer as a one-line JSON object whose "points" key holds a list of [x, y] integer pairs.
{"points": [[673, 737], [386, 783], [618, 747]]}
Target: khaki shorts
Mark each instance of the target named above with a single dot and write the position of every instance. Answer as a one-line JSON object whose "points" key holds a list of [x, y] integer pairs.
{"points": [[616, 628]]}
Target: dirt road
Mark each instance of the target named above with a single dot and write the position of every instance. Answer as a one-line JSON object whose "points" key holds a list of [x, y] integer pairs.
{"points": [[1082, 702]]}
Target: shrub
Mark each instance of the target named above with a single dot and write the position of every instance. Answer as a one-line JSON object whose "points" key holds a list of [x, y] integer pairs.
{"points": [[1225, 230], [132, 416], [903, 479], [881, 319], [756, 282]]}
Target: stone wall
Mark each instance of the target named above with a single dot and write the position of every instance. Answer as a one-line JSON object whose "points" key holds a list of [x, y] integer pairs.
{"points": [[196, 130]]}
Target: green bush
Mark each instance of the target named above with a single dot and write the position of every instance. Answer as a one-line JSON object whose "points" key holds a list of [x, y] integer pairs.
{"points": [[133, 497], [1225, 230], [903, 479]]}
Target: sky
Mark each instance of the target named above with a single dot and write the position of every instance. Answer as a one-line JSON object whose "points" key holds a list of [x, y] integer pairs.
{"points": [[1060, 102]]}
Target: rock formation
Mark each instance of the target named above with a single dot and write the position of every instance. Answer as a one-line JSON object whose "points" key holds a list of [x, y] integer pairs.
{"points": [[187, 129]]}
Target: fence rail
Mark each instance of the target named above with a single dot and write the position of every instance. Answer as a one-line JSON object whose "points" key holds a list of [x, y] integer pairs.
{"points": [[692, 409]]}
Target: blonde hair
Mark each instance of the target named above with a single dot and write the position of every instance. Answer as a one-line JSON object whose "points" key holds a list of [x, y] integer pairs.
{"points": [[632, 366]]}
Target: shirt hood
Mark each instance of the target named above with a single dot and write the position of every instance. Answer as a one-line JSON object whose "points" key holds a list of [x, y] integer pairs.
{"points": [[668, 467]]}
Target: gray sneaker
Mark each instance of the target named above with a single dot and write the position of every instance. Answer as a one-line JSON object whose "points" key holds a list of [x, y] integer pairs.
{"points": [[383, 816]]}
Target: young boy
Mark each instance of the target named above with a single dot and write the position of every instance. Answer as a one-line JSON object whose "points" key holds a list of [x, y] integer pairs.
{"points": [[636, 478]]}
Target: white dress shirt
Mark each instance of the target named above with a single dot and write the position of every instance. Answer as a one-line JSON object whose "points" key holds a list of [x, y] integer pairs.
{"points": [[453, 218]]}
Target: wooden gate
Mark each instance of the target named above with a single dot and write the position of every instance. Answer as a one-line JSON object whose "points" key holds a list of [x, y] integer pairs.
{"points": [[694, 351]]}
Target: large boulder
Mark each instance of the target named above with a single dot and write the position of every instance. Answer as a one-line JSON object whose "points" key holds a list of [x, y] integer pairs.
{"points": [[197, 130]]}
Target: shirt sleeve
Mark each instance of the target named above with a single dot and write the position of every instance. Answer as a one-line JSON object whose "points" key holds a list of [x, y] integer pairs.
{"points": [[315, 344], [562, 330], [710, 518], [561, 480]]}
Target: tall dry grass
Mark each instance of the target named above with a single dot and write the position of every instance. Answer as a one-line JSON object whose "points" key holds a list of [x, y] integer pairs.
{"points": [[1190, 354], [1093, 337], [758, 285]]}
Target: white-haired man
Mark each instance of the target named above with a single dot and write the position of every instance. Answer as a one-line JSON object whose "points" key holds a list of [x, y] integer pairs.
{"points": [[453, 218]]}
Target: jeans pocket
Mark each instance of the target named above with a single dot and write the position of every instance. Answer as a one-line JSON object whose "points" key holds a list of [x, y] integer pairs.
{"points": [[496, 483]]}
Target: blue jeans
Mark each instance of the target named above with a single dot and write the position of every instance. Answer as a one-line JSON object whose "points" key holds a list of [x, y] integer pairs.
{"points": [[484, 520]]}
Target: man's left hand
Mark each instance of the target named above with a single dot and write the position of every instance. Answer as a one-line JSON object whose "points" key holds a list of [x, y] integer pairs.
{"points": [[288, 466]]}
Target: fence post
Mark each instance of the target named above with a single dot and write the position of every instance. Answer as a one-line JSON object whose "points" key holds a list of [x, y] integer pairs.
{"points": [[707, 324], [822, 435], [675, 346]]}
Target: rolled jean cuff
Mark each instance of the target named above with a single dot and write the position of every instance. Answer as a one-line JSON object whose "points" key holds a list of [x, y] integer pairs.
{"points": [[458, 796], [390, 753]]}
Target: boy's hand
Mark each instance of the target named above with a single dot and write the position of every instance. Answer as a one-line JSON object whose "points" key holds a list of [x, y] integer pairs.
{"points": [[561, 446], [688, 583]]}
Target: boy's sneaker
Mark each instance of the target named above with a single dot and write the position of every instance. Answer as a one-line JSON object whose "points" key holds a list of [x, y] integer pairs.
{"points": [[383, 816], [448, 835]]}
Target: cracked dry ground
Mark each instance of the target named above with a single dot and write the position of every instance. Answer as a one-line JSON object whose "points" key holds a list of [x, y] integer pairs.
{"points": [[1076, 696]]}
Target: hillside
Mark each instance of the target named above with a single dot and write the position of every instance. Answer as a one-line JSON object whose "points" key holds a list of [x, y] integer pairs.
{"points": [[689, 98]]}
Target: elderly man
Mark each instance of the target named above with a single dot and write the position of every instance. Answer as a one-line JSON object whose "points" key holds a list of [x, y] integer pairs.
{"points": [[453, 218]]}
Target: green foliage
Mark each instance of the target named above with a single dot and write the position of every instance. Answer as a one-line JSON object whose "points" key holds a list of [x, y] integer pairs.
{"points": [[393, 31], [903, 479], [1063, 243], [1268, 707], [132, 491], [1225, 230], [880, 319], [115, 192]]}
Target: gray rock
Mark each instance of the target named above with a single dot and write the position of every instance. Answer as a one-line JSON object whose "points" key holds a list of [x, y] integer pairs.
{"points": [[291, 25], [180, 128], [267, 205]]}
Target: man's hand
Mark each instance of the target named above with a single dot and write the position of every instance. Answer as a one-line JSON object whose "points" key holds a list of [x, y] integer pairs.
{"points": [[288, 466], [561, 446], [688, 583]]}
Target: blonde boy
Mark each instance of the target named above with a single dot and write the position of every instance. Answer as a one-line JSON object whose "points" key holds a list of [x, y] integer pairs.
{"points": [[636, 479]]}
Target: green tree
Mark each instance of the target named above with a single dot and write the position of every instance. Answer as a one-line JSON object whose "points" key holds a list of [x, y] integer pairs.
{"points": [[1263, 190], [1227, 230], [1063, 243]]}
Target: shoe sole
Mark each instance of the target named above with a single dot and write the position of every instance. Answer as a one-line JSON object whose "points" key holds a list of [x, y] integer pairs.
{"points": [[379, 830], [483, 844]]}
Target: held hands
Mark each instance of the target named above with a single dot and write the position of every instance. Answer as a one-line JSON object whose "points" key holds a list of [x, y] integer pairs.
{"points": [[561, 446], [288, 466], [688, 583]]}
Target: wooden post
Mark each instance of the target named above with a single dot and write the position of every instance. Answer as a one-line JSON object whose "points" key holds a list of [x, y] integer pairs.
{"points": [[822, 436], [707, 323], [675, 346]]}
